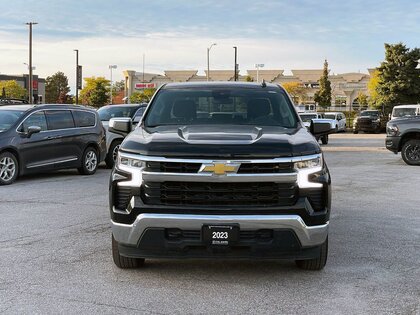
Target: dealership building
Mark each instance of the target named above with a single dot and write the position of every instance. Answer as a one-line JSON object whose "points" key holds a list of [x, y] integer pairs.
{"points": [[23, 80], [345, 86]]}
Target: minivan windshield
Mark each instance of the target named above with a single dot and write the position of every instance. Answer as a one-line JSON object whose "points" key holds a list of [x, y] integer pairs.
{"points": [[402, 112], [221, 106], [8, 118], [108, 112], [329, 116]]}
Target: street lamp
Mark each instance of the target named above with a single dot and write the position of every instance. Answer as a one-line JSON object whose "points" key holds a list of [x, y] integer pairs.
{"points": [[235, 75], [33, 68], [30, 62], [77, 75], [208, 60], [110, 68], [258, 66]]}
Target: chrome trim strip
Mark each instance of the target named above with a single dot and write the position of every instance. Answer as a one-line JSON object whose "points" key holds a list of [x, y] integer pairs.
{"points": [[51, 163], [209, 177], [130, 234], [201, 161]]}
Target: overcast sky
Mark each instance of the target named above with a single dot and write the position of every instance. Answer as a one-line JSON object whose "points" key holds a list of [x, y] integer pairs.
{"points": [[174, 35]]}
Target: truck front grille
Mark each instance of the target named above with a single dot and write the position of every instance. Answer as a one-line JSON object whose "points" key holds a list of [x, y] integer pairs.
{"points": [[364, 122], [173, 167], [220, 194]]}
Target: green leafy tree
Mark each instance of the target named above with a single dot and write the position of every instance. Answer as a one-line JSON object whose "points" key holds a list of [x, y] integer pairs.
{"points": [[372, 88], [323, 95], [95, 92], [57, 88], [118, 86], [12, 89], [142, 97], [398, 77], [248, 78]]}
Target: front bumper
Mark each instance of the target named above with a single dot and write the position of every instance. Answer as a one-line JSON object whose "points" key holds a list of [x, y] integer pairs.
{"points": [[392, 143], [131, 234]]}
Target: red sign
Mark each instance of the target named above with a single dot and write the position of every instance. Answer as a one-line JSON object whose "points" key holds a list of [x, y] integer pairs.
{"points": [[35, 85], [145, 86]]}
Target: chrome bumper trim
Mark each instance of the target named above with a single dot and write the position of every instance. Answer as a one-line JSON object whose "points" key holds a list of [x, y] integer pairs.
{"points": [[205, 177], [130, 234]]}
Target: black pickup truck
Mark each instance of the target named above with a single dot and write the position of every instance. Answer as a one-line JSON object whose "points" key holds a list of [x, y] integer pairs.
{"points": [[220, 170], [403, 135], [369, 121]]}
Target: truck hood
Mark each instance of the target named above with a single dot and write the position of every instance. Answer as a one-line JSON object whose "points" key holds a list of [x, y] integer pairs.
{"points": [[218, 141]]}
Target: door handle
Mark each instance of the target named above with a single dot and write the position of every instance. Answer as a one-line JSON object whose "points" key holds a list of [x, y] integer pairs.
{"points": [[53, 137]]}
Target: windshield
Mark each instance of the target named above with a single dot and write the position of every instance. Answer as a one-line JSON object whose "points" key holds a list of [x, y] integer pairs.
{"points": [[307, 117], [221, 106], [329, 116], [401, 112], [108, 112], [8, 118], [369, 113]]}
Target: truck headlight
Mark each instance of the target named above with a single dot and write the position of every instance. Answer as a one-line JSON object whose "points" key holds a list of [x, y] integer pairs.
{"points": [[392, 130], [128, 161], [311, 163]]}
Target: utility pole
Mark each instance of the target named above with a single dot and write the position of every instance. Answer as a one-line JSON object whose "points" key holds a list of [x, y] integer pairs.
{"points": [[258, 66], [235, 77], [144, 58], [30, 62], [77, 75]]}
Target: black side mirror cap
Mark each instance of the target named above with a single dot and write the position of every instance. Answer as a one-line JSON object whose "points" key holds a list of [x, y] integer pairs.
{"points": [[320, 128], [122, 126], [32, 130]]}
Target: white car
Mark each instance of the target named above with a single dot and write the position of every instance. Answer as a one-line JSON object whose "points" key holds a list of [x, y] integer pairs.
{"points": [[405, 111], [307, 117], [339, 120]]}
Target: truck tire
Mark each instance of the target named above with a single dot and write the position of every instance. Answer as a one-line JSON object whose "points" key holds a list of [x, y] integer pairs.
{"points": [[111, 156], [315, 263], [9, 168], [410, 152], [124, 262], [324, 139], [355, 132]]}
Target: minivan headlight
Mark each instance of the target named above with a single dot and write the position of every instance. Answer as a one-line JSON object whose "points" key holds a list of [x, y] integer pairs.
{"points": [[123, 160], [311, 163]]}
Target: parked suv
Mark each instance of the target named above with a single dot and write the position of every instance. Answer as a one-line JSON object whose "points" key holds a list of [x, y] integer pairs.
{"points": [[369, 121], [49, 137], [220, 170], [403, 135], [113, 140]]}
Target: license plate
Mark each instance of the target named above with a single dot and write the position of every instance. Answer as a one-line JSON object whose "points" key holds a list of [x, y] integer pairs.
{"points": [[220, 235]]}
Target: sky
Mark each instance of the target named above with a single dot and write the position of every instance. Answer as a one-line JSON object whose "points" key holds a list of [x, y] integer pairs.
{"points": [[174, 35]]}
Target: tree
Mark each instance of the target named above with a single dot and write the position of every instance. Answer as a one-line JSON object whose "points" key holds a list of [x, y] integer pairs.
{"points": [[12, 89], [398, 77], [296, 90], [372, 88], [95, 92], [362, 99], [142, 97], [57, 89], [118, 86], [323, 95], [248, 78]]}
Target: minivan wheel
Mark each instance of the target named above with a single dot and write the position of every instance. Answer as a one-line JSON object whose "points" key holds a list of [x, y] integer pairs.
{"points": [[111, 157], [9, 168], [124, 262], [317, 263], [410, 152], [89, 162]]}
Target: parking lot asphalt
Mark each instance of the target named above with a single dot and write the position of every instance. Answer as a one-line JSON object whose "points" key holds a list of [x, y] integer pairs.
{"points": [[55, 250]]}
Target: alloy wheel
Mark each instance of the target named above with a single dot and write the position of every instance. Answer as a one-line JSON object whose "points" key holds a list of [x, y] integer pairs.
{"points": [[115, 152], [413, 153], [7, 169], [91, 161]]}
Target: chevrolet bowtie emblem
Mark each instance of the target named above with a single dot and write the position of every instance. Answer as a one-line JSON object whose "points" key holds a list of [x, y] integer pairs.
{"points": [[219, 168]]}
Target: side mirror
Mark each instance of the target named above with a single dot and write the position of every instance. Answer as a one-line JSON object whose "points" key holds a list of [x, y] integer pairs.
{"points": [[32, 130], [122, 126], [320, 128]]}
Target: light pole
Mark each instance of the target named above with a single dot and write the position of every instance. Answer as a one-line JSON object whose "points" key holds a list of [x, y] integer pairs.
{"points": [[27, 66], [110, 68], [77, 75], [30, 62], [208, 60], [235, 75], [258, 66]]}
